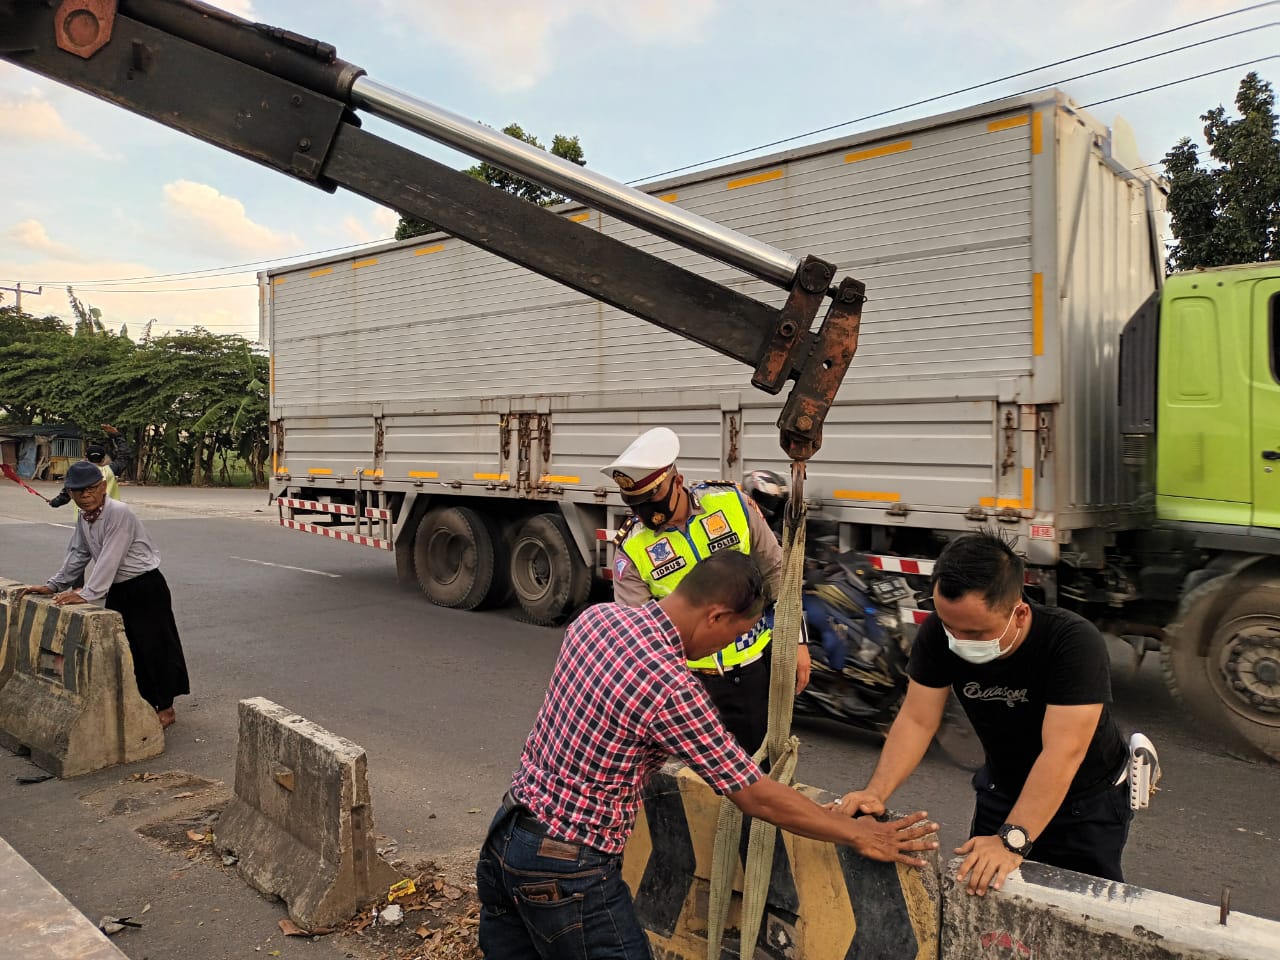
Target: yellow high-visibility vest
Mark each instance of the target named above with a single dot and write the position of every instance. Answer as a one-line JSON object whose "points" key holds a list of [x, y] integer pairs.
{"points": [[663, 558]]}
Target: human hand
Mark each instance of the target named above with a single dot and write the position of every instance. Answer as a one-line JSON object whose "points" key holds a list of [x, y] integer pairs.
{"points": [[40, 590], [109, 429], [896, 840], [987, 863], [858, 802], [68, 597], [804, 664]]}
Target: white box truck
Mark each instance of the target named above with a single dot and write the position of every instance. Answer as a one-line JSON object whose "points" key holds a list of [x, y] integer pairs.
{"points": [[431, 399]]}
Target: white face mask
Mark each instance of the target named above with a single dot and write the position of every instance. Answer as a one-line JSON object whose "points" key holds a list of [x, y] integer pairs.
{"points": [[978, 651]]}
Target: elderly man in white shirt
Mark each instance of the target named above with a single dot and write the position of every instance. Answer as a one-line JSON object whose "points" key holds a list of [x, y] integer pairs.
{"points": [[126, 577]]}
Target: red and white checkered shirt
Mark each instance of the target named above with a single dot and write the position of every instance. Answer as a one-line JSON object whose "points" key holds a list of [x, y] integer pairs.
{"points": [[620, 704]]}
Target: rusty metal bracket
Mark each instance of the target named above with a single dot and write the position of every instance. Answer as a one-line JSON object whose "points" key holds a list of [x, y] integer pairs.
{"points": [[83, 27], [524, 432], [815, 390], [544, 431], [794, 320]]}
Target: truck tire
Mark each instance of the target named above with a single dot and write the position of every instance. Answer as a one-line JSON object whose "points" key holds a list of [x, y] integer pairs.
{"points": [[1189, 663], [453, 556], [550, 580], [1243, 664]]}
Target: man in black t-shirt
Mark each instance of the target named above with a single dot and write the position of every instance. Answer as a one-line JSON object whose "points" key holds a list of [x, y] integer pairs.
{"points": [[1035, 682]]}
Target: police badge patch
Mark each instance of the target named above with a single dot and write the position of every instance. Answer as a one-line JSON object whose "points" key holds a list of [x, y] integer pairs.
{"points": [[715, 525], [664, 558], [720, 535]]}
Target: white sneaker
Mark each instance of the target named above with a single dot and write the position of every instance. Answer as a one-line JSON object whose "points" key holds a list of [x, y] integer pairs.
{"points": [[1144, 771]]}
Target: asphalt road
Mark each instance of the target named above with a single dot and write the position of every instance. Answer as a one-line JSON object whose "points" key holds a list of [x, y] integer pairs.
{"points": [[442, 700]]}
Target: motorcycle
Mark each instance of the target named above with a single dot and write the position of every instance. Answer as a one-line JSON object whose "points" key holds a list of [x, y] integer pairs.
{"points": [[859, 642]]}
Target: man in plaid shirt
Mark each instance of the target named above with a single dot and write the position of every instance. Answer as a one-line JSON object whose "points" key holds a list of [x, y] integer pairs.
{"points": [[620, 703]]}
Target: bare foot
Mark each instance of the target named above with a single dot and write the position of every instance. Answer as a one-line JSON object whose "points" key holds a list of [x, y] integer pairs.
{"points": [[167, 718]]}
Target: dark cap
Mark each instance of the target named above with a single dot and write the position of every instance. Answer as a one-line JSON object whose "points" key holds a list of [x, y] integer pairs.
{"points": [[95, 452], [82, 475]]}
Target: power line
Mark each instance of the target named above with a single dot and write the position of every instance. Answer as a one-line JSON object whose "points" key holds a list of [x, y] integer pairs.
{"points": [[229, 268], [109, 290], [971, 88], [1174, 83]]}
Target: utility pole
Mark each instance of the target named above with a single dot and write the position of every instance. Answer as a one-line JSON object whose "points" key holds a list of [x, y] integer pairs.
{"points": [[18, 292]]}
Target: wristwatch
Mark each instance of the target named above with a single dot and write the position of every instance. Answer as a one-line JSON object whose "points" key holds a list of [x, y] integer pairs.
{"points": [[1015, 839]]}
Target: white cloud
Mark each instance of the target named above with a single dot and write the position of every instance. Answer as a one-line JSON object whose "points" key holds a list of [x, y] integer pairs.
{"points": [[32, 235], [509, 43], [675, 21], [30, 118], [241, 8], [380, 226], [356, 230], [386, 220], [211, 222]]}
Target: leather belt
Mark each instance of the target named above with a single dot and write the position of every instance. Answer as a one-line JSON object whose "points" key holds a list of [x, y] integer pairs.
{"points": [[523, 818]]}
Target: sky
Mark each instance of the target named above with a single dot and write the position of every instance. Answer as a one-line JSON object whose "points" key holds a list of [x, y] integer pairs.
{"points": [[148, 224]]}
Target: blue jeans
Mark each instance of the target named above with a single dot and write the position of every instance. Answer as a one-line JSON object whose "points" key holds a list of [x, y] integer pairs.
{"points": [[540, 897]]}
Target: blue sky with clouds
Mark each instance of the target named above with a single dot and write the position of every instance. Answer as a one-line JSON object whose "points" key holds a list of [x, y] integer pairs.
{"points": [[93, 194]]}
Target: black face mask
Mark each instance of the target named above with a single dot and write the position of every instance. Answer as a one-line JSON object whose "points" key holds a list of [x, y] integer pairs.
{"points": [[656, 514]]}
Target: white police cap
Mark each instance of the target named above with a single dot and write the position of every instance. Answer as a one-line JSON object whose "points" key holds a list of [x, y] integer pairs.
{"points": [[649, 460]]}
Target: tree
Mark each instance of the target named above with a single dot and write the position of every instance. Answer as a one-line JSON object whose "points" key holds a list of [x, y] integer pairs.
{"points": [[1229, 213], [189, 401], [32, 357], [567, 148]]}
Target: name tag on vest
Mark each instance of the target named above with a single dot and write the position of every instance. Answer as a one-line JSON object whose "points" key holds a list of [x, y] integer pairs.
{"points": [[723, 543], [668, 568]]}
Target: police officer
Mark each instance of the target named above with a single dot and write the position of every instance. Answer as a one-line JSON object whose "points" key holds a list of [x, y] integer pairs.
{"points": [[672, 527]]}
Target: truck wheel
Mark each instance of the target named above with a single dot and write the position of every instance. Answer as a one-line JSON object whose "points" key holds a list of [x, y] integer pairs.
{"points": [[551, 582], [453, 557], [1244, 666], [1196, 679]]}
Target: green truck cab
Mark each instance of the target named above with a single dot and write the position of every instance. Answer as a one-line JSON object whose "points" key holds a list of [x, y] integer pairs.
{"points": [[1200, 389]]}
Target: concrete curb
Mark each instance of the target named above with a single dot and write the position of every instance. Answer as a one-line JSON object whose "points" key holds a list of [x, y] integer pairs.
{"points": [[39, 921], [1044, 913]]}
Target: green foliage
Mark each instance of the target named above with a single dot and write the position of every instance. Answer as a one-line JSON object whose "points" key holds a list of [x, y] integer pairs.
{"points": [[567, 148], [1228, 213], [190, 402]]}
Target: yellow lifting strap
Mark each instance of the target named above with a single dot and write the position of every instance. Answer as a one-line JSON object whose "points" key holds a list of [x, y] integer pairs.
{"points": [[780, 749]]}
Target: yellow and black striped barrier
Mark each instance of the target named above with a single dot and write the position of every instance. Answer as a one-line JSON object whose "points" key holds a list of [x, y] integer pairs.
{"points": [[825, 902]]}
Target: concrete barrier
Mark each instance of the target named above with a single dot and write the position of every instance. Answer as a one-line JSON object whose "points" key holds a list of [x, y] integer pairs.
{"points": [[69, 696], [41, 922], [824, 902], [1043, 913], [301, 822], [7, 613]]}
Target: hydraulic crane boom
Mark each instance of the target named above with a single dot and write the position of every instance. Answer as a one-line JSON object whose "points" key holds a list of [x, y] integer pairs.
{"points": [[286, 101]]}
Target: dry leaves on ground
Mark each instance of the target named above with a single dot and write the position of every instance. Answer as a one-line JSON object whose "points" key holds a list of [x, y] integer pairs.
{"points": [[441, 921]]}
